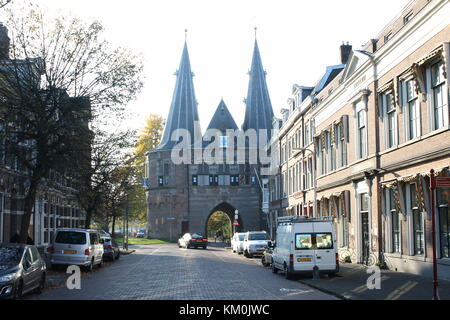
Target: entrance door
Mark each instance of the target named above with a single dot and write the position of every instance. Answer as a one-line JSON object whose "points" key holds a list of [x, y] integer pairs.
{"points": [[365, 237], [365, 229]]}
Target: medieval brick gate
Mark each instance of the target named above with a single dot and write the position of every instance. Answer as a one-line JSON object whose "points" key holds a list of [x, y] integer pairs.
{"points": [[182, 197]]}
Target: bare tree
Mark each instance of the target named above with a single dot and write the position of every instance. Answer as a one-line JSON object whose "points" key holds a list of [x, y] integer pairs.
{"points": [[60, 77], [97, 173], [4, 3]]}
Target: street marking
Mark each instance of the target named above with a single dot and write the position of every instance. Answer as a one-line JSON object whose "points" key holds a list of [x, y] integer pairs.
{"points": [[296, 290]]}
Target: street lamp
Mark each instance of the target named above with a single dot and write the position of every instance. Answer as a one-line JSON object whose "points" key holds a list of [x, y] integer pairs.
{"points": [[313, 176]]}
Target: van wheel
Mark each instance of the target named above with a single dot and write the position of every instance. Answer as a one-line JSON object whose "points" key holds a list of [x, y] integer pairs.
{"points": [[90, 267], [287, 274]]}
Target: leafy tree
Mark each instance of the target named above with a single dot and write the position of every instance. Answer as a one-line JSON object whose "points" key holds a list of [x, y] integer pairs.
{"points": [[61, 78], [219, 221]]}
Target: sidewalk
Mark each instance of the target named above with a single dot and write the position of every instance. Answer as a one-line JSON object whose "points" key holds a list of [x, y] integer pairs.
{"points": [[351, 284]]}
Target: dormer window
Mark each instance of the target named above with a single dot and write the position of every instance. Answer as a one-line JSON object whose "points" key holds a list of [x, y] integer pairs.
{"points": [[388, 37]]}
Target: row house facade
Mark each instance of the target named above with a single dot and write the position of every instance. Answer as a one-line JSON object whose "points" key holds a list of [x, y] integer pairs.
{"points": [[56, 205], [360, 145]]}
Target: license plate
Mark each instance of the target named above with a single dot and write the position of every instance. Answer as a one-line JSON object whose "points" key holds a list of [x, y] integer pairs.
{"points": [[304, 259], [70, 252]]}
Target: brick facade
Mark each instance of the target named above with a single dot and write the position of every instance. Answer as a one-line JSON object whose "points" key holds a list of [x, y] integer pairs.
{"points": [[391, 132]]}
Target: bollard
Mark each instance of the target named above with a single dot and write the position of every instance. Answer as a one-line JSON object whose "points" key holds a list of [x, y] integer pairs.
{"points": [[316, 273]]}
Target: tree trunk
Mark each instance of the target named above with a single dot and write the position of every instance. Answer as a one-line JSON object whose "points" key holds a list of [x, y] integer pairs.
{"points": [[87, 222], [30, 199], [113, 228]]}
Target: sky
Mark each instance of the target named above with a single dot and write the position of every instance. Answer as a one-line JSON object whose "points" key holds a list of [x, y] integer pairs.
{"points": [[297, 40]]}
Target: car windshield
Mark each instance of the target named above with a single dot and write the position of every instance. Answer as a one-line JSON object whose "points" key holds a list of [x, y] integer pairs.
{"points": [[241, 237], [257, 236], [10, 256], [71, 237]]}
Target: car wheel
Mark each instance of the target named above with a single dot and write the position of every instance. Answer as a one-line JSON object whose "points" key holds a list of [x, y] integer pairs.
{"points": [[19, 291], [41, 287], [113, 256], [100, 264], [118, 255], [263, 261], [274, 269]]}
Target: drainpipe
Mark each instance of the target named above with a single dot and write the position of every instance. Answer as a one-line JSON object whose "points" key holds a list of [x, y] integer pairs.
{"points": [[375, 175]]}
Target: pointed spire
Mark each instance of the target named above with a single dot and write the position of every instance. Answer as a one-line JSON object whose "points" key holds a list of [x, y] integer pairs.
{"points": [[183, 111], [259, 113], [222, 119]]}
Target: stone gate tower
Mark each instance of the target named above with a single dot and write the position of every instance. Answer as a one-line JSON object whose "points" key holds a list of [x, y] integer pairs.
{"points": [[182, 197]]}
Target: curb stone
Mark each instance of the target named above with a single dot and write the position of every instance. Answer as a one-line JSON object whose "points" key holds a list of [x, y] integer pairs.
{"points": [[345, 298]]}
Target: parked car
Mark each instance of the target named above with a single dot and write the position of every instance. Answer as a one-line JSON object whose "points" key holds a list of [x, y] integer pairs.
{"points": [[111, 250], [237, 243], [140, 234], [76, 247], [193, 241], [22, 270], [255, 243], [303, 245], [104, 234], [266, 258]]}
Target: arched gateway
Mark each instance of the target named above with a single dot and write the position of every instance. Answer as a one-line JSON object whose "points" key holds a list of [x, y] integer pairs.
{"points": [[182, 197], [229, 210]]}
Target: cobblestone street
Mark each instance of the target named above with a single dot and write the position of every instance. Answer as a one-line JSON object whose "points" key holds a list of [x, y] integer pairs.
{"points": [[165, 272]]}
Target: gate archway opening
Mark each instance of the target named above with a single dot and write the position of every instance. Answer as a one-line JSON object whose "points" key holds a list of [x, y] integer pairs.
{"points": [[219, 225]]}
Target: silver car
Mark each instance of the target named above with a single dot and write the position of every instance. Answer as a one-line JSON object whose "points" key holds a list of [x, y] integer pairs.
{"points": [[79, 247]]}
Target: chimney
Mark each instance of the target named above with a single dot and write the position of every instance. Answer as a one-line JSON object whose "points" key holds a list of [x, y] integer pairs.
{"points": [[346, 49], [4, 42]]}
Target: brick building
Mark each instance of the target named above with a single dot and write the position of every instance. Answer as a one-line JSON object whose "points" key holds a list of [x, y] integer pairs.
{"points": [[56, 204], [375, 125]]}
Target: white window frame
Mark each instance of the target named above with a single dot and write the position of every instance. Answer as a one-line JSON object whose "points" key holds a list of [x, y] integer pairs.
{"points": [[223, 142], [430, 98], [361, 106], [384, 96], [406, 106]]}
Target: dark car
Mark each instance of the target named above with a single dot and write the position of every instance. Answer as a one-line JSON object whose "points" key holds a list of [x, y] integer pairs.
{"points": [[193, 241], [22, 270], [266, 258], [111, 250]]}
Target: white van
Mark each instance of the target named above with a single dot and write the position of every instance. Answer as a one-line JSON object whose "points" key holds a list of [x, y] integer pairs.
{"points": [[303, 244]]}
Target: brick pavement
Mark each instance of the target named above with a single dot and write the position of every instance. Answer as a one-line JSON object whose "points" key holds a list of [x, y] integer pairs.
{"points": [[164, 272]]}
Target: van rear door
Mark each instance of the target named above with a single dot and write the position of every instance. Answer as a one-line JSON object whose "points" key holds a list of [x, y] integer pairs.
{"points": [[304, 259], [325, 252]]}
